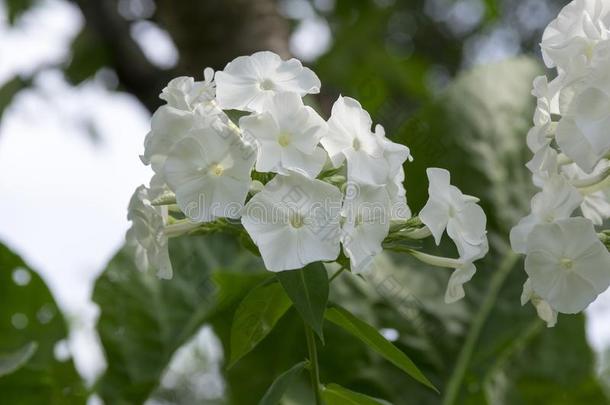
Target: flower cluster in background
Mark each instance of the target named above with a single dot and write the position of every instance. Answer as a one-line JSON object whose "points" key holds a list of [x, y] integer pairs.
{"points": [[241, 150], [567, 262]]}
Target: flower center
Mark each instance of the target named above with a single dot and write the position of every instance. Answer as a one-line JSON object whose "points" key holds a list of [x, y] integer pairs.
{"points": [[266, 84], [296, 220], [566, 263], [549, 217], [356, 144], [216, 169], [283, 140]]}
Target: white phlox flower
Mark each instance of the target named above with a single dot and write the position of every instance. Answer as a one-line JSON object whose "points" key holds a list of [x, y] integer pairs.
{"points": [[557, 200], [184, 93], [294, 221], [146, 239], [209, 170], [249, 82], [447, 208], [543, 308], [567, 264], [366, 224], [287, 135]]}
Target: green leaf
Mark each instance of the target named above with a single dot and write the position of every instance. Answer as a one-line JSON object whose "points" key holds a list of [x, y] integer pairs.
{"points": [[335, 394], [8, 91], [255, 317], [17, 7], [89, 54], [144, 319], [31, 325], [308, 290], [280, 385], [377, 342], [9, 363]]}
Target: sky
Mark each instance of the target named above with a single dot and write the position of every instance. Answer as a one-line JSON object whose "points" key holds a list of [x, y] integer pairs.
{"points": [[67, 192]]}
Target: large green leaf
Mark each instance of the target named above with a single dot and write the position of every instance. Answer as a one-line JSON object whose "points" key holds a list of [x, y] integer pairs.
{"points": [[335, 394], [144, 319], [308, 290], [276, 391], [376, 342], [31, 325], [255, 317]]}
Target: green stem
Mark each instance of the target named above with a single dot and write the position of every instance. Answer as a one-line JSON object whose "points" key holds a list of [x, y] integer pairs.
{"points": [[336, 274], [314, 369], [495, 285]]}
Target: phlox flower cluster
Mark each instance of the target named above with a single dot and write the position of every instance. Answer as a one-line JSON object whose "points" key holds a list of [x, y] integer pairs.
{"points": [[567, 262], [241, 148]]}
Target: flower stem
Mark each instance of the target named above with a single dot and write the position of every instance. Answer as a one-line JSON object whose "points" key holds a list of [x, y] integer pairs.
{"points": [[336, 274], [461, 366], [314, 369]]}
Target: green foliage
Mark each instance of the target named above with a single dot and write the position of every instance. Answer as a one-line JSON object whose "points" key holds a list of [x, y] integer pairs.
{"points": [[335, 394], [31, 325], [373, 339], [308, 290], [144, 320], [89, 55], [9, 90], [276, 391], [15, 8], [12, 362], [255, 317]]}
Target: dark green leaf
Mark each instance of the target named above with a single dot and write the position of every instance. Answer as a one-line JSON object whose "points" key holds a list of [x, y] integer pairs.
{"points": [[335, 394], [88, 56], [280, 385], [9, 90], [144, 320], [30, 318], [17, 7], [11, 362], [308, 290], [255, 317], [376, 341]]}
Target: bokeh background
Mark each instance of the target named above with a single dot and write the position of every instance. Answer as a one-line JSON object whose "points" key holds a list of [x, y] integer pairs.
{"points": [[78, 83]]}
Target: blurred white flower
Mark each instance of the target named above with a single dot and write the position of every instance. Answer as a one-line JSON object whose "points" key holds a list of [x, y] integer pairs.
{"points": [[460, 276], [567, 264], [448, 208], [287, 135], [294, 221], [366, 211], [209, 170], [249, 82], [557, 200], [146, 239]]}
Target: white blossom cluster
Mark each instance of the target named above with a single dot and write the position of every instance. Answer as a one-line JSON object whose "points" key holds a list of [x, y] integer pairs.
{"points": [[242, 148], [566, 261]]}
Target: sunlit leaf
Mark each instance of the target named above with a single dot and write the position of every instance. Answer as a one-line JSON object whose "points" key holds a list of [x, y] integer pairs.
{"points": [[335, 394], [280, 385]]}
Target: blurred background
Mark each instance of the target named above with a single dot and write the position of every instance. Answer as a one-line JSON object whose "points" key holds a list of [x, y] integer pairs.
{"points": [[79, 80]]}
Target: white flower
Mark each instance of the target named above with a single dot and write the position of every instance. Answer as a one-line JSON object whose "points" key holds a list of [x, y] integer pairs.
{"points": [[184, 93], [294, 221], [573, 35], [146, 238], [460, 276], [595, 204], [209, 170], [557, 200], [399, 210], [249, 82], [366, 211], [287, 135], [350, 137], [543, 308], [567, 264], [448, 208], [583, 133]]}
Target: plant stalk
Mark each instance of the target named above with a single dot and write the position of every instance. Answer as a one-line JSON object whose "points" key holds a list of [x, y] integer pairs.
{"points": [[314, 370], [461, 366]]}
